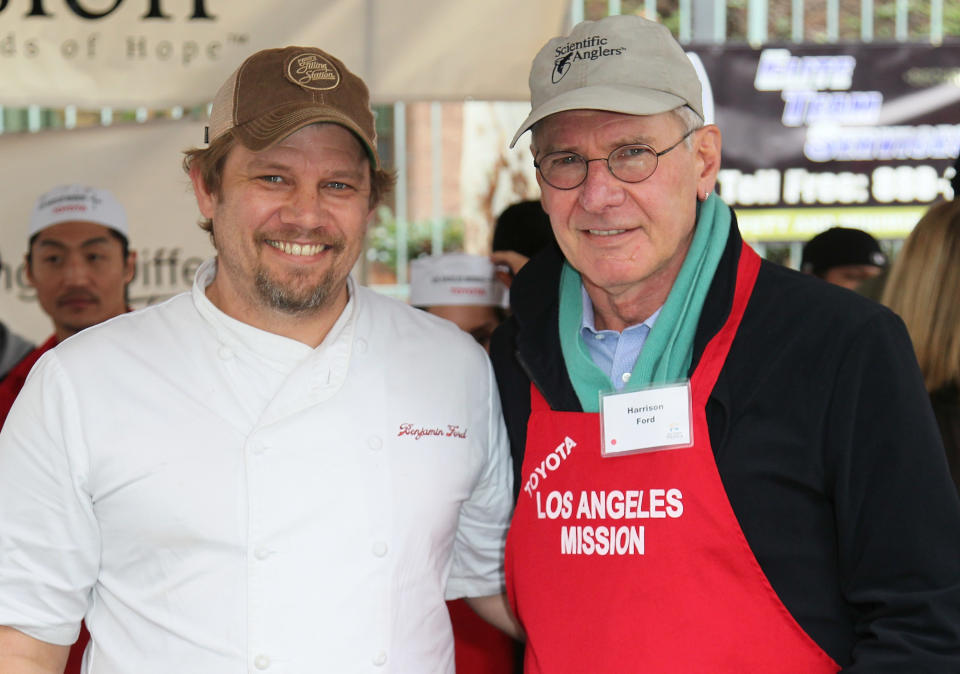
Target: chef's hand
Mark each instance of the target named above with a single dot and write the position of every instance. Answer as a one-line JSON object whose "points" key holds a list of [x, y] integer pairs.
{"points": [[508, 263]]}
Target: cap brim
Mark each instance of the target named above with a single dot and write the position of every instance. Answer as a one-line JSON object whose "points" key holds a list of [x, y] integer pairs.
{"points": [[610, 98], [93, 220], [273, 127]]}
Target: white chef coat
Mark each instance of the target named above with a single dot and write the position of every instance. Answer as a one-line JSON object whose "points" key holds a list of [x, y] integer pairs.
{"points": [[216, 498]]}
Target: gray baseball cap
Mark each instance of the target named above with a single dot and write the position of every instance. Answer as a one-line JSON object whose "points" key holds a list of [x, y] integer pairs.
{"points": [[622, 64]]}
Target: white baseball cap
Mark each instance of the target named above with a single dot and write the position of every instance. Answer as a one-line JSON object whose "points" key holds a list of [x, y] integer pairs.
{"points": [[622, 63], [66, 203], [455, 279]]}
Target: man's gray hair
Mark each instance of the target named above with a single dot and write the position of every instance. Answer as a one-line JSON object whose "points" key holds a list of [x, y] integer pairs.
{"points": [[689, 120], [687, 116]]}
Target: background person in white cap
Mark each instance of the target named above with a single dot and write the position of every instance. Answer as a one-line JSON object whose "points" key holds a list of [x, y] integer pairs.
{"points": [[461, 288], [279, 470], [79, 262], [465, 290], [726, 466]]}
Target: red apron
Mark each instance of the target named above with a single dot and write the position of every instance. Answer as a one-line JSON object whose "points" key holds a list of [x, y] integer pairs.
{"points": [[637, 563]]}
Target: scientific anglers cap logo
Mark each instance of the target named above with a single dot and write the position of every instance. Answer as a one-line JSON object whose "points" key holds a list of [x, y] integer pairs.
{"points": [[560, 67], [312, 71], [588, 49]]}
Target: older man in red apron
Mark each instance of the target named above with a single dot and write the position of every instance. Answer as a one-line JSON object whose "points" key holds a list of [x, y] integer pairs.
{"points": [[721, 465]]}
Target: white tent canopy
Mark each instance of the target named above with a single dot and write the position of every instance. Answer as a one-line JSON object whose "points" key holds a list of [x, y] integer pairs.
{"points": [[162, 53]]}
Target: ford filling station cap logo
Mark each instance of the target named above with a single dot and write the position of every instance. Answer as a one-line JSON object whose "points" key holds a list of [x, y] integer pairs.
{"points": [[312, 71]]}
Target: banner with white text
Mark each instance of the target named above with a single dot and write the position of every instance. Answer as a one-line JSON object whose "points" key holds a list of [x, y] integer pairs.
{"points": [[859, 135], [162, 53]]}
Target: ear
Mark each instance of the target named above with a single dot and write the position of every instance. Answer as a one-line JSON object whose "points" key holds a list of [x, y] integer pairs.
{"points": [[206, 200], [28, 270], [371, 218], [707, 150], [129, 267]]}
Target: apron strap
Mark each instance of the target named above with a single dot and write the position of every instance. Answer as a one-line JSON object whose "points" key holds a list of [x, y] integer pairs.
{"points": [[714, 355], [537, 402]]}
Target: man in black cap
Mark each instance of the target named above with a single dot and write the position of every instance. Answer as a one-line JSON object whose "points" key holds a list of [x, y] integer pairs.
{"points": [[843, 256]]}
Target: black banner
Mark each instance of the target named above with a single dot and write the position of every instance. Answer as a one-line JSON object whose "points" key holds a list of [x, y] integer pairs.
{"points": [[864, 135]]}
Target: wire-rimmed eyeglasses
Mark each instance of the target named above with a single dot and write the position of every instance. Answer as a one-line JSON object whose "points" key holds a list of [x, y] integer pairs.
{"points": [[630, 163]]}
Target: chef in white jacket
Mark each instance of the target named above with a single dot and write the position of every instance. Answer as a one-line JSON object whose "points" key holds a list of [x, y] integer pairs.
{"points": [[278, 471]]}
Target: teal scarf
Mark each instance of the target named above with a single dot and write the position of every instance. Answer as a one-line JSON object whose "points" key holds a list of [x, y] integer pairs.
{"points": [[668, 350]]}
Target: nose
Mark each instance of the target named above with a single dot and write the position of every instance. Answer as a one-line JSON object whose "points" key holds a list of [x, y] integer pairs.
{"points": [[302, 208], [76, 270], [600, 189]]}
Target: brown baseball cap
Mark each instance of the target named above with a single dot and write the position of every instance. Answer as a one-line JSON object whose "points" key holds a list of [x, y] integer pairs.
{"points": [[622, 63], [278, 91]]}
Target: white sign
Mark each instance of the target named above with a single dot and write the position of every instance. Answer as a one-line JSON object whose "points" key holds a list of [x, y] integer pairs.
{"points": [[162, 53]]}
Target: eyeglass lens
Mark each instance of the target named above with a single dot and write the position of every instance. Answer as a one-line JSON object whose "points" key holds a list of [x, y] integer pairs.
{"points": [[630, 163]]}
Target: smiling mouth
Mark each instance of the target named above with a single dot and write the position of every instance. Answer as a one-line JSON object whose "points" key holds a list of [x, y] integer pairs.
{"points": [[606, 232], [299, 249]]}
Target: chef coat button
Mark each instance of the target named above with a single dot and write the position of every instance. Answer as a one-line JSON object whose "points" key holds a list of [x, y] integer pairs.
{"points": [[225, 352], [260, 447], [625, 377], [361, 345], [375, 442], [261, 662], [380, 659], [261, 553], [380, 549]]}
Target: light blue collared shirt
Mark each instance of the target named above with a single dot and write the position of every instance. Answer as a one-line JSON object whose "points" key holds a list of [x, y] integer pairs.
{"points": [[614, 352]]}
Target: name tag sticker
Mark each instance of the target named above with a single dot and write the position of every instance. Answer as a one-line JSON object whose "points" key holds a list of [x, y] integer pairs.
{"points": [[649, 420]]}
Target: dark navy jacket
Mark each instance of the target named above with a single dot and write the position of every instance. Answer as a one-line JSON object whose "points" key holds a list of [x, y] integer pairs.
{"points": [[826, 445]]}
